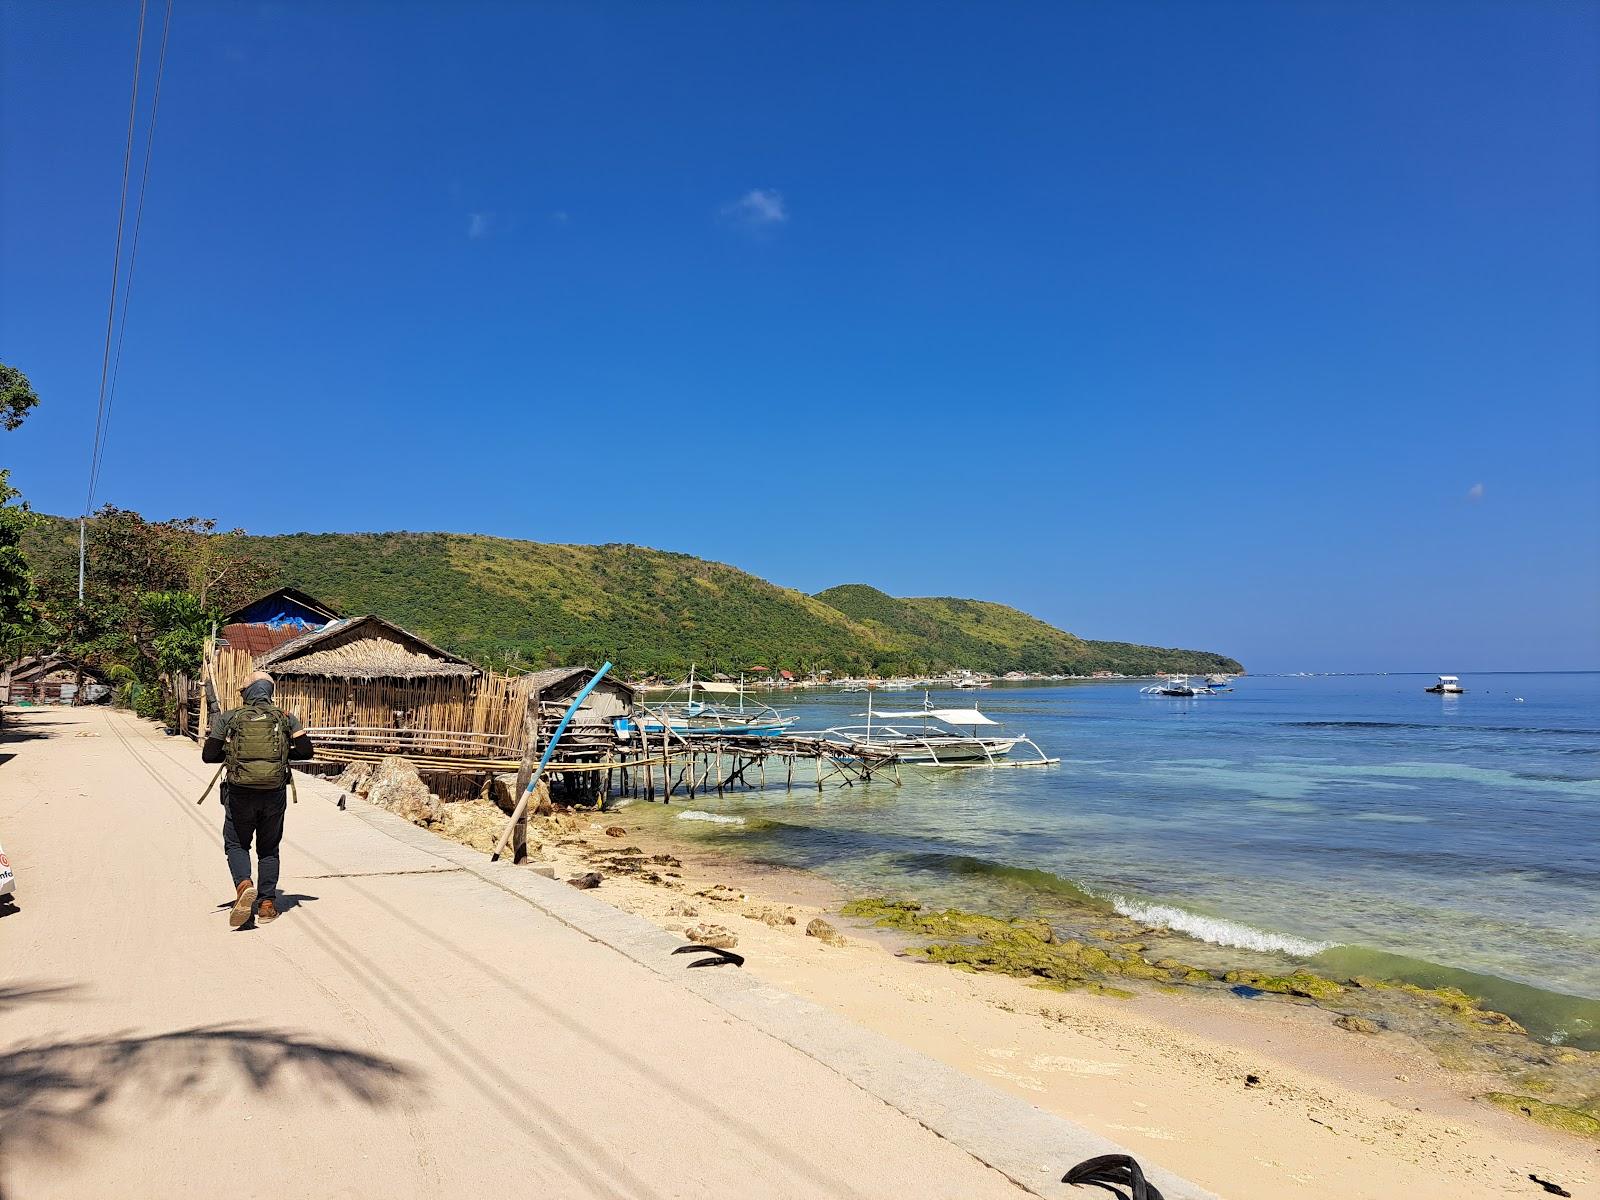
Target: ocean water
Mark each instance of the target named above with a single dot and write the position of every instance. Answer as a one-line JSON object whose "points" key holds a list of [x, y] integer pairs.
{"points": [[1354, 822]]}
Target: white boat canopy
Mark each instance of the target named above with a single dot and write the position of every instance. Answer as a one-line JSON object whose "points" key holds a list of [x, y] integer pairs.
{"points": [[950, 716]]}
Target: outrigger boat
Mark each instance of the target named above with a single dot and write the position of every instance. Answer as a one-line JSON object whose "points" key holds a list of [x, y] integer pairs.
{"points": [[944, 737], [1176, 685], [1448, 685], [695, 716]]}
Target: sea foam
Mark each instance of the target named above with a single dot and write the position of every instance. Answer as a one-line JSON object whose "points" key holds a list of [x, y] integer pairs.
{"points": [[1216, 930], [695, 814]]}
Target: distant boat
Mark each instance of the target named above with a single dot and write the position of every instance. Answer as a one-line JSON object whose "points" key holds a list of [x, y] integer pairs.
{"points": [[1219, 683], [1448, 685], [963, 682]]}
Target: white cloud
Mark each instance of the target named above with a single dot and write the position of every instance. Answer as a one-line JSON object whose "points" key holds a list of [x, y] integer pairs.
{"points": [[1475, 492], [759, 208], [478, 224]]}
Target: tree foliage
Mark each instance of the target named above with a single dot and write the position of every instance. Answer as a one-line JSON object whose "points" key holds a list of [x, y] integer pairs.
{"points": [[152, 591], [16, 583], [17, 397]]}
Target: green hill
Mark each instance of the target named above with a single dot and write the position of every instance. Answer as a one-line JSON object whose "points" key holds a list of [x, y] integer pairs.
{"points": [[499, 601], [946, 631]]}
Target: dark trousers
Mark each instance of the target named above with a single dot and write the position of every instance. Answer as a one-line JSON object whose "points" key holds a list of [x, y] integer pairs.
{"points": [[253, 813]]}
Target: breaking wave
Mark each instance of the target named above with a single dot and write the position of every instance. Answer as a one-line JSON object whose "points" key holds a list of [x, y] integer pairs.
{"points": [[695, 814], [1216, 930]]}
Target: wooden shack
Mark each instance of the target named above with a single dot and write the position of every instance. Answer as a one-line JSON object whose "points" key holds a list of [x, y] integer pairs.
{"points": [[52, 679], [590, 739]]}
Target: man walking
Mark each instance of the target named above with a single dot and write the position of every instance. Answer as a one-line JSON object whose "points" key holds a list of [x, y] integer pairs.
{"points": [[256, 742]]}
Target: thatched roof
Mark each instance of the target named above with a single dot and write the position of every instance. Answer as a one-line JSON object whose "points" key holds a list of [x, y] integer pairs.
{"points": [[363, 648], [556, 679]]}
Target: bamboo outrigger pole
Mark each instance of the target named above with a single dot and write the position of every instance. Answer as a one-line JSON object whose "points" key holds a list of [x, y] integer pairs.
{"points": [[533, 781]]}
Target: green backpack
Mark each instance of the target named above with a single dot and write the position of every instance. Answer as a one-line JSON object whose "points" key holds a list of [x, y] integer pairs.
{"points": [[257, 747]]}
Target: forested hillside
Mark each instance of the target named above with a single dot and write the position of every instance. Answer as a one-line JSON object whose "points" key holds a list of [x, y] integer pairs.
{"points": [[505, 603]]}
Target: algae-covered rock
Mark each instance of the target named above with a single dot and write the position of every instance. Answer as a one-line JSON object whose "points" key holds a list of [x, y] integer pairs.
{"points": [[1356, 1024], [1299, 983], [1458, 1005], [1557, 1116], [824, 932], [1024, 947]]}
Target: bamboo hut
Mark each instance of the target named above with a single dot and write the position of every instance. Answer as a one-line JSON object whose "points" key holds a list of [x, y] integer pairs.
{"points": [[366, 683]]}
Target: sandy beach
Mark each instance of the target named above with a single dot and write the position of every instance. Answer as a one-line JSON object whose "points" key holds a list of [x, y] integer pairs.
{"points": [[1258, 1100]]}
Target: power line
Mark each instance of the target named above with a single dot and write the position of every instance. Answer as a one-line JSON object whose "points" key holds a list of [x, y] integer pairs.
{"points": [[116, 258], [133, 252], [111, 306]]}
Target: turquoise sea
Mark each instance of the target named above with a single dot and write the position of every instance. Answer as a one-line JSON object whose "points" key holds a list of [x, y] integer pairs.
{"points": [[1354, 822]]}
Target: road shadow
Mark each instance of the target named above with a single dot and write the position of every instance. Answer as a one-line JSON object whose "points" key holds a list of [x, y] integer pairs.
{"points": [[54, 1096], [15, 995]]}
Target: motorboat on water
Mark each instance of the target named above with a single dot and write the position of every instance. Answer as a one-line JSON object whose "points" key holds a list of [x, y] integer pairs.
{"points": [[1176, 685], [689, 711], [1219, 683], [964, 682], [1448, 685], [936, 737]]}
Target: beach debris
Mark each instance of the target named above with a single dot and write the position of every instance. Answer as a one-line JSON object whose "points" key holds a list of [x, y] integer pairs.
{"points": [[825, 933], [1555, 1189], [683, 909], [1113, 1171], [717, 956], [1252, 1081], [720, 891], [584, 882], [616, 831], [717, 937], [1355, 1024], [768, 915]]}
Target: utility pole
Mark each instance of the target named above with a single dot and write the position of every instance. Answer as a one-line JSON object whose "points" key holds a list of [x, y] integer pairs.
{"points": [[80, 560]]}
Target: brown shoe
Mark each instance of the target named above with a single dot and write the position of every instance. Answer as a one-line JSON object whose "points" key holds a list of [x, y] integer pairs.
{"points": [[244, 902], [266, 911]]}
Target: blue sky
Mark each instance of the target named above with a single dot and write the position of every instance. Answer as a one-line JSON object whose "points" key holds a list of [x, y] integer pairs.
{"points": [[1268, 328]]}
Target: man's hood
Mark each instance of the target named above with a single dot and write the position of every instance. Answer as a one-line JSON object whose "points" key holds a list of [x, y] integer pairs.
{"points": [[261, 689]]}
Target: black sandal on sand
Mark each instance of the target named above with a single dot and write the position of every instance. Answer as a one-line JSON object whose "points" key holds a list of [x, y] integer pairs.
{"points": [[1113, 1172]]}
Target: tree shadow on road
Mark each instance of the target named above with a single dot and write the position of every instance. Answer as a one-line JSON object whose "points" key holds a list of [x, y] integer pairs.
{"points": [[53, 1095]]}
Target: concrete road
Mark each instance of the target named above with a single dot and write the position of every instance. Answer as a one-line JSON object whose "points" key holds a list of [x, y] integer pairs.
{"points": [[414, 1025]]}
